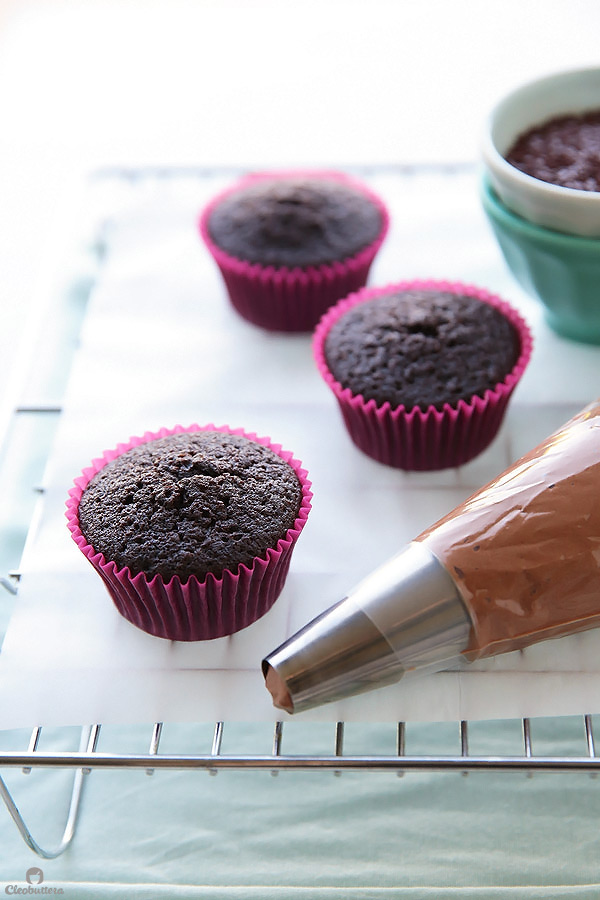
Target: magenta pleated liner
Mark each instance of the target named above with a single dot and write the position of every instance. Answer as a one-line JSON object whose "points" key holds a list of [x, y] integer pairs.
{"points": [[431, 439], [196, 609], [291, 300]]}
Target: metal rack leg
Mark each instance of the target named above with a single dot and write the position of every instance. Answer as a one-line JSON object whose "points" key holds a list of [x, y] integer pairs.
{"points": [[88, 737]]}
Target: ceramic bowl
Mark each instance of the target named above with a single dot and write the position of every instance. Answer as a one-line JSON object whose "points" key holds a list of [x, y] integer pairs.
{"points": [[552, 206], [562, 271]]}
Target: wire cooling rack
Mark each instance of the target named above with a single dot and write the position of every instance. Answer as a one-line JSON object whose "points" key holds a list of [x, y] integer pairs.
{"points": [[275, 760], [28, 421]]}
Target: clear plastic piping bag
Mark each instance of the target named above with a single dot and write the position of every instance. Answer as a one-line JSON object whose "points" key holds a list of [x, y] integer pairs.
{"points": [[518, 562]]}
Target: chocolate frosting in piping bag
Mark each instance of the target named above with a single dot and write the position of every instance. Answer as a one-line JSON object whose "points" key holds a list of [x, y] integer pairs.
{"points": [[524, 551], [516, 563]]}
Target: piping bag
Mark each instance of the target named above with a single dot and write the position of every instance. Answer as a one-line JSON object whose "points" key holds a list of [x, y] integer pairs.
{"points": [[518, 562]]}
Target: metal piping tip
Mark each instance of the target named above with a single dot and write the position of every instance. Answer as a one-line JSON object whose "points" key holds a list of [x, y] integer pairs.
{"points": [[277, 688], [406, 616]]}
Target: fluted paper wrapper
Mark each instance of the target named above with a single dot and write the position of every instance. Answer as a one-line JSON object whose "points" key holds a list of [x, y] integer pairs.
{"points": [[284, 299], [194, 609], [423, 439]]}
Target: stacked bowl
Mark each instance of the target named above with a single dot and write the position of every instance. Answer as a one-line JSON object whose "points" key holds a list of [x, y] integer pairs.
{"points": [[549, 233]]}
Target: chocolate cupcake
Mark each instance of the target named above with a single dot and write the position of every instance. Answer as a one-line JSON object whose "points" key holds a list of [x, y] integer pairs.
{"points": [[192, 529], [422, 370], [290, 244]]}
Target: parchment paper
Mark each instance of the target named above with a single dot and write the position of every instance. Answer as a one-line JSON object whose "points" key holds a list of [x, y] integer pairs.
{"points": [[161, 345]]}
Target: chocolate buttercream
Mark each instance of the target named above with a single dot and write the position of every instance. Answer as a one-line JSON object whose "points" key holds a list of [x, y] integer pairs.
{"points": [[564, 151], [524, 550]]}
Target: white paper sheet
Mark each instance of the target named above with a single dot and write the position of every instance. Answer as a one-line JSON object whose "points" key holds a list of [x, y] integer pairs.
{"points": [[160, 346]]}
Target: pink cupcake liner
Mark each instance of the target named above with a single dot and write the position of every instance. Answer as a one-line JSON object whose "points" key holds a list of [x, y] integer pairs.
{"points": [[284, 299], [195, 609], [431, 439]]}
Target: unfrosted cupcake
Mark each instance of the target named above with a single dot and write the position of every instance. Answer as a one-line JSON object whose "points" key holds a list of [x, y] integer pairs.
{"points": [[290, 244], [191, 529], [423, 370]]}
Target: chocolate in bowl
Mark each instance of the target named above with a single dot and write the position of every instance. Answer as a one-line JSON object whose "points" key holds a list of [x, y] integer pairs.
{"points": [[569, 210], [564, 150]]}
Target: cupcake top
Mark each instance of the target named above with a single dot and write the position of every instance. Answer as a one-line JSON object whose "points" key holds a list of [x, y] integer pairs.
{"points": [[421, 347], [190, 504], [564, 151], [295, 221]]}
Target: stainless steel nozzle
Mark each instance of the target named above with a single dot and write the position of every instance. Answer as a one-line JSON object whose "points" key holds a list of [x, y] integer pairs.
{"points": [[406, 615]]}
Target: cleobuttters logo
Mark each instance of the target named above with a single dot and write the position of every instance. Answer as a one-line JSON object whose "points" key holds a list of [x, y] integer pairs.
{"points": [[34, 878]]}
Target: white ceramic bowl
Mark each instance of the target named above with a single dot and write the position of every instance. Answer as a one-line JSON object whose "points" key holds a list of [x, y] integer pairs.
{"points": [[563, 209]]}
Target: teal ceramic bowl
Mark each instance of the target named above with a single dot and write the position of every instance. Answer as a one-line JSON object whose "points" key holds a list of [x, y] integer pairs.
{"points": [[560, 270]]}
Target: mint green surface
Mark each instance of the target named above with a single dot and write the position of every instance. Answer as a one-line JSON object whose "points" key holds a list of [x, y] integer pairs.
{"points": [[562, 271], [361, 835]]}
